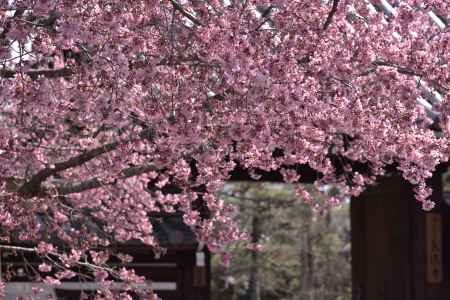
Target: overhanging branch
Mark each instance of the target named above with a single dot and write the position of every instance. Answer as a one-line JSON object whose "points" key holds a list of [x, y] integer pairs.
{"points": [[49, 73], [333, 11], [18, 248], [32, 187], [188, 15], [400, 69], [94, 183]]}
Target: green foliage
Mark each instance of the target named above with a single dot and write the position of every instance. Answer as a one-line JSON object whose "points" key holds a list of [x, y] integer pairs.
{"points": [[288, 258]]}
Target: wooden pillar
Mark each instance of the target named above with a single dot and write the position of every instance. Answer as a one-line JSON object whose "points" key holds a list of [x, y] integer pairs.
{"points": [[195, 284]]}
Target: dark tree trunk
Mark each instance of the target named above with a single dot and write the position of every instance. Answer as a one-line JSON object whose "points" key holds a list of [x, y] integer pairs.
{"points": [[254, 288], [327, 286], [306, 258]]}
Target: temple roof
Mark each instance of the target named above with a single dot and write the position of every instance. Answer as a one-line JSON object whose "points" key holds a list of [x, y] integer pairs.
{"points": [[171, 231]]}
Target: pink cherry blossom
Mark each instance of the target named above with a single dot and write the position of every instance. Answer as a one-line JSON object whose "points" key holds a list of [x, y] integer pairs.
{"points": [[114, 111], [45, 267]]}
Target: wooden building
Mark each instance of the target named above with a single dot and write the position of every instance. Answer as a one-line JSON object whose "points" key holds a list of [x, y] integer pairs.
{"points": [[399, 251], [181, 273]]}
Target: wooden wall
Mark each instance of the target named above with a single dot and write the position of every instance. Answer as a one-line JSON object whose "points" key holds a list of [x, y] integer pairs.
{"points": [[177, 274], [390, 258]]}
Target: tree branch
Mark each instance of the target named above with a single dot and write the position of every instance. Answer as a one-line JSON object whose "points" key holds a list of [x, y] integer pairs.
{"points": [[49, 73], [331, 14], [400, 69], [94, 183], [33, 188], [180, 8], [17, 248]]}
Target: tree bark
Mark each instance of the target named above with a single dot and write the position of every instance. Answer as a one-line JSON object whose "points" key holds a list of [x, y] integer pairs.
{"points": [[254, 288], [306, 258]]}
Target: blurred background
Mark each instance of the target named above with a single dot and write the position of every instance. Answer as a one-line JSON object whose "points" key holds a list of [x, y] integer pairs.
{"points": [[305, 255]]}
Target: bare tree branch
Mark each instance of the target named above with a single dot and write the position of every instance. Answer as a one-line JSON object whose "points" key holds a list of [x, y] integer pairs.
{"points": [[94, 183], [331, 14], [188, 15], [400, 69], [17, 248], [32, 187], [49, 73]]}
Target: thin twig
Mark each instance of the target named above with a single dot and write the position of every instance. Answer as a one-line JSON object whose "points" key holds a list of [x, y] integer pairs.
{"points": [[18, 248], [180, 8]]}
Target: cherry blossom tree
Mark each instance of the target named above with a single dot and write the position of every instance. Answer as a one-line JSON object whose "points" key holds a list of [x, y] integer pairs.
{"points": [[104, 104]]}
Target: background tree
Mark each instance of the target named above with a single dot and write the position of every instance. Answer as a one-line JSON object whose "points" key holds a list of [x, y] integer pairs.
{"points": [[302, 250]]}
